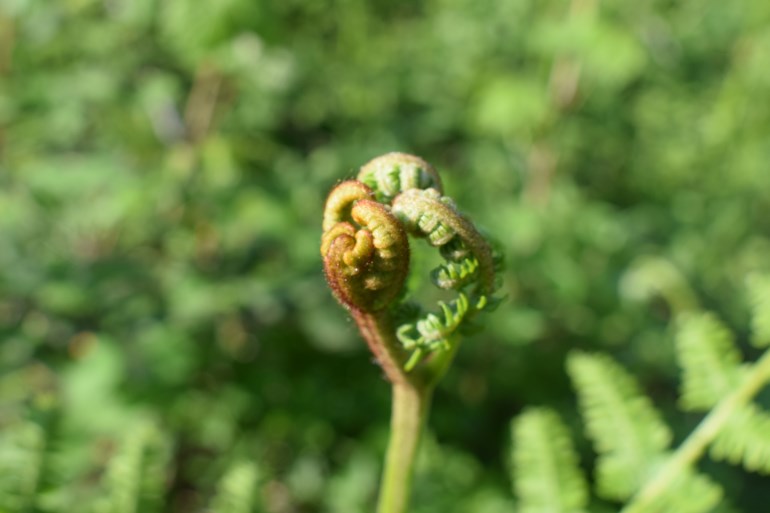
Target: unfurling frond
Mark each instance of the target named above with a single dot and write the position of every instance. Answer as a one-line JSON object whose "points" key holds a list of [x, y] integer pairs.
{"points": [[759, 293], [235, 493], [745, 440], [547, 475], [709, 360], [627, 431], [366, 260]]}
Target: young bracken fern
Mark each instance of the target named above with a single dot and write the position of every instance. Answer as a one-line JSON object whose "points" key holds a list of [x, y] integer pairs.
{"points": [[366, 257], [636, 464]]}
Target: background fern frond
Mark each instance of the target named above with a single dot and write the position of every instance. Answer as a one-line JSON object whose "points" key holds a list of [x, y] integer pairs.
{"points": [[745, 440], [649, 276], [136, 475], [688, 493], [759, 295], [709, 360], [627, 432], [22, 452], [235, 493], [547, 475]]}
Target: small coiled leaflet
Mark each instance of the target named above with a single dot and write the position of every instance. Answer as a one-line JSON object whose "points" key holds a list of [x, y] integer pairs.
{"points": [[393, 173], [364, 248]]}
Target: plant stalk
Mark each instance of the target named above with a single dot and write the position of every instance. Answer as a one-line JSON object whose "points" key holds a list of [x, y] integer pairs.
{"points": [[695, 444], [410, 403], [410, 408]]}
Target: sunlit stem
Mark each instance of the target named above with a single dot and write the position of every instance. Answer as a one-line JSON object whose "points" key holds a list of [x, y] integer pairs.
{"points": [[410, 409], [411, 399]]}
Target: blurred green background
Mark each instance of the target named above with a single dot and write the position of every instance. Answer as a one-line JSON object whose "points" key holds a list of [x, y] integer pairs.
{"points": [[166, 330]]}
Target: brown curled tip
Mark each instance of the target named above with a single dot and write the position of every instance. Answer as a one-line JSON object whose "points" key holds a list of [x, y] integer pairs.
{"points": [[341, 200], [365, 249]]}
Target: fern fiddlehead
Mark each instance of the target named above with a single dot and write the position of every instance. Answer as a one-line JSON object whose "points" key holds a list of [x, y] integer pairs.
{"points": [[366, 257], [366, 253]]}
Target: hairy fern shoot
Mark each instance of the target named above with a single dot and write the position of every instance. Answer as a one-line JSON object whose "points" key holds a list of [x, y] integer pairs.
{"points": [[366, 257]]}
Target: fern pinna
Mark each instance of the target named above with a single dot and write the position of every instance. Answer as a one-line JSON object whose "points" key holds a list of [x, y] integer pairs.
{"points": [[636, 464], [366, 259]]}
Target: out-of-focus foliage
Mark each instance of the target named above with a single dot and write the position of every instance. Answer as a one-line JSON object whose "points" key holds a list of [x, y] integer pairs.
{"points": [[164, 322], [635, 463], [548, 476]]}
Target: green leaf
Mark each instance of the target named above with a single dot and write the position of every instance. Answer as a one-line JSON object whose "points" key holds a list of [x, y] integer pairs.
{"points": [[627, 432], [759, 294], [547, 475], [508, 105], [709, 360], [22, 454], [136, 474], [745, 440], [688, 492], [236, 489]]}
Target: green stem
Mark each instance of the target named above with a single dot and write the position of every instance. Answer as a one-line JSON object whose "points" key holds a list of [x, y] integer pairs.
{"points": [[695, 444], [437, 365], [411, 400], [410, 408]]}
